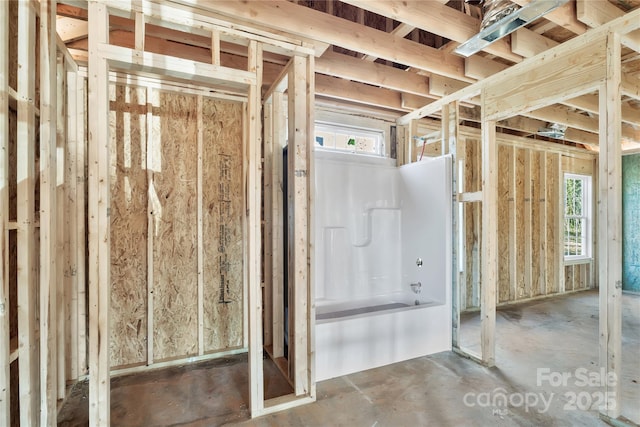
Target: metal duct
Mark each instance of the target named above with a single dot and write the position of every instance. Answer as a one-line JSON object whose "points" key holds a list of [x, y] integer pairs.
{"points": [[502, 18], [494, 10], [553, 130]]}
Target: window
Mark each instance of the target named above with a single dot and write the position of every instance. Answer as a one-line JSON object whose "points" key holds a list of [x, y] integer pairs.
{"points": [[577, 216], [349, 139]]}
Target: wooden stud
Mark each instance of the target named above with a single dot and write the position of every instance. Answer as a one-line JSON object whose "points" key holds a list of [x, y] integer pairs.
{"points": [[542, 211], [80, 231], [215, 47], [528, 239], [267, 280], [5, 347], [71, 249], [489, 240], [61, 229], [99, 220], [139, 31], [610, 227], [199, 185], [279, 139], [28, 366], [298, 220], [311, 311], [253, 141], [152, 163]]}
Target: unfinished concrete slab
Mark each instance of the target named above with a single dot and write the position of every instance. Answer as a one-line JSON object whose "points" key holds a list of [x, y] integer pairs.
{"points": [[537, 341]]}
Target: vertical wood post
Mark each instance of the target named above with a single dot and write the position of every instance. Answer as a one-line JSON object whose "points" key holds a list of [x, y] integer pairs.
{"points": [[71, 213], [99, 221], [254, 143], [268, 223], [28, 350], [489, 246], [610, 226], [81, 231], [5, 347], [279, 128], [299, 151], [48, 219]]}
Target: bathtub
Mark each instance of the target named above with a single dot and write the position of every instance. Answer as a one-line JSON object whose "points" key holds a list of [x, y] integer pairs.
{"points": [[352, 336], [379, 229]]}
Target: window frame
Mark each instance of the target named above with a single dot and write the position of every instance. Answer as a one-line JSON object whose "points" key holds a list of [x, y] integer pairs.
{"points": [[336, 128], [586, 217]]}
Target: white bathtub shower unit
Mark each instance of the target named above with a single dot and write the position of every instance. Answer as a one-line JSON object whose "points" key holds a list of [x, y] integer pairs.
{"points": [[373, 222]]}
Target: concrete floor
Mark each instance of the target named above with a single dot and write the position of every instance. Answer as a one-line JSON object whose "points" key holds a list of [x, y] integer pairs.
{"points": [[560, 334]]}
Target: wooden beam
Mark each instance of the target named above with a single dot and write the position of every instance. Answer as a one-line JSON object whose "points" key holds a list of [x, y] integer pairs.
{"points": [[564, 16], [478, 67], [71, 29], [254, 199], [437, 19], [527, 43], [489, 246], [99, 220], [551, 79], [48, 211], [28, 365], [350, 68], [610, 227], [549, 60], [365, 94], [285, 16], [401, 30], [5, 315], [147, 62], [596, 13]]}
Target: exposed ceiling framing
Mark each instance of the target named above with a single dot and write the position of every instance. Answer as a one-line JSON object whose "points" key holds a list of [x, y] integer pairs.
{"points": [[394, 55]]}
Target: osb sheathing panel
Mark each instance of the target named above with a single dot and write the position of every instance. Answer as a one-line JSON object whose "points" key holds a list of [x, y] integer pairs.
{"points": [[505, 206], [175, 259], [128, 315], [222, 224]]}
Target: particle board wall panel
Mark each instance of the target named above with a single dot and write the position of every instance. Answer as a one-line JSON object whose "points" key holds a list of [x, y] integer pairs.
{"points": [[505, 211], [175, 265], [128, 315], [223, 202], [552, 193]]}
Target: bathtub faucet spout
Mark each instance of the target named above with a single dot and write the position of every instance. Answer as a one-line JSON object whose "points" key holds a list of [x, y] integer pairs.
{"points": [[416, 287]]}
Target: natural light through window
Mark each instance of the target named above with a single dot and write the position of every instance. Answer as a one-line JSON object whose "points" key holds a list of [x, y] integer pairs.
{"points": [[351, 139], [577, 216]]}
